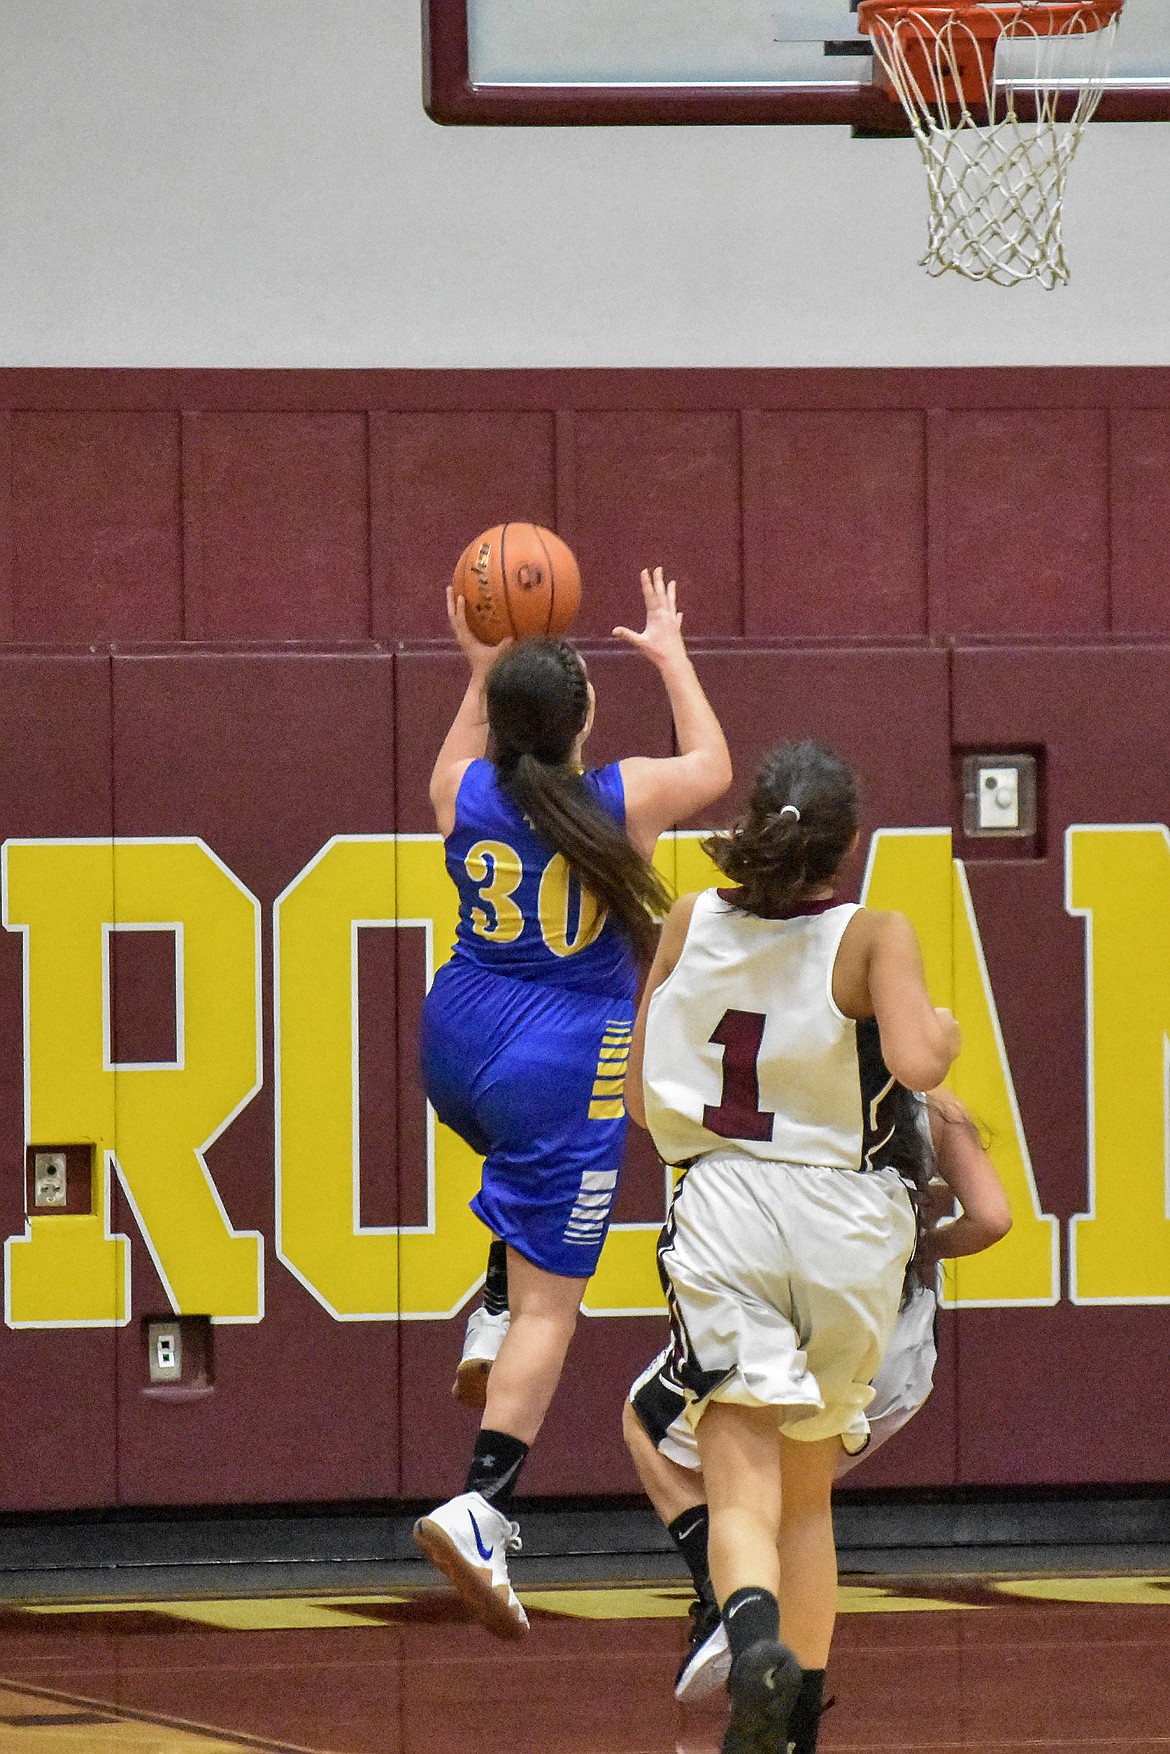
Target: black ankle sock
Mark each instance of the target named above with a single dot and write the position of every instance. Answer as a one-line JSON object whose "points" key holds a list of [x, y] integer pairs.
{"points": [[495, 1464], [750, 1615], [806, 1713], [689, 1531], [495, 1289]]}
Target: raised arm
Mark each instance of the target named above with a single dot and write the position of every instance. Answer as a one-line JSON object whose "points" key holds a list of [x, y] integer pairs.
{"points": [[466, 741], [661, 791], [670, 946], [971, 1176]]}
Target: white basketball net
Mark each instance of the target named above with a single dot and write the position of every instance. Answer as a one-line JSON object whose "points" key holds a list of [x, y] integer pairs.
{"points": [[996, 181]]}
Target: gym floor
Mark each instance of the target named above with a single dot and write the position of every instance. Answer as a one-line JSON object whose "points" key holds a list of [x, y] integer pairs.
{"points": [[948, 1651]]}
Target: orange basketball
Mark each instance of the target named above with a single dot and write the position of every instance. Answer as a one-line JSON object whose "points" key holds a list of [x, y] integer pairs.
{"points": [[518, 581]]}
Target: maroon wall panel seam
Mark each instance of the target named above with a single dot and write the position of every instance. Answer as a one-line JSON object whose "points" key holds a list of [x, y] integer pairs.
{"points": [[1111, 518], [751, 450], [381, 503], [194, 613], [565, 474], [1140, 504], [936, 521]]}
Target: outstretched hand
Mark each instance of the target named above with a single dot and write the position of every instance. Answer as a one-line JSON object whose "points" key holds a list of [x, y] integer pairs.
{"points": [[662, 638], [478, 655]]}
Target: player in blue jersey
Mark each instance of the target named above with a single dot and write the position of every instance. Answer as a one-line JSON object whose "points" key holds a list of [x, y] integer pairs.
{"points": [[526, 1030]]}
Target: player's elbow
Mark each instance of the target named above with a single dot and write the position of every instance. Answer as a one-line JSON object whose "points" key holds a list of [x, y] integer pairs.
{"points": [[721, 773], [917, 1065], [996, 1222], [920, 1051], [711, 775]]}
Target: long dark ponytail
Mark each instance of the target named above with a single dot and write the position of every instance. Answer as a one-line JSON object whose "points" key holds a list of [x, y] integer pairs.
{"points": [[910, 1151], [537, 706], [797, 828]]}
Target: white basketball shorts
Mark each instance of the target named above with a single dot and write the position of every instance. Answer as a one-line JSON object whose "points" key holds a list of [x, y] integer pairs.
{"points": [[783, 1282], [901, 1386]]}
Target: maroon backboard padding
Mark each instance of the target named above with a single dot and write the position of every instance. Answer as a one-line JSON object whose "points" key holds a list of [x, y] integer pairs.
{"points": [[265, 756], [1103, 717], [58, 1388]]}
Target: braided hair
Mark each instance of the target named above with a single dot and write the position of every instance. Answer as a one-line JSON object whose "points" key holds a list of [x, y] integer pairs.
{"points": [[537, 707], [799, 824]]}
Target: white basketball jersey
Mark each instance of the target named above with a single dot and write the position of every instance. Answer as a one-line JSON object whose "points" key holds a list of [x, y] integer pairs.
{"points": [[745, 1046]]}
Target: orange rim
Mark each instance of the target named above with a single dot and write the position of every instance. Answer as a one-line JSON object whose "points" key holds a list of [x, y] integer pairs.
{"points": [[994, 18]]}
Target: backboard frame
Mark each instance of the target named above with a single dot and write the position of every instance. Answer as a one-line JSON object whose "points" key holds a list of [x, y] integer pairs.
{"points": [[451, 99]]}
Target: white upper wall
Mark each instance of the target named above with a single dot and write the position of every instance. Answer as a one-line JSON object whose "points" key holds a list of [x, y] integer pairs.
{"points": [[255, 183]]}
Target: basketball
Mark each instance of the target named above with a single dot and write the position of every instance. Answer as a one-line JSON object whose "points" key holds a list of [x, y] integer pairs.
{"points": [[518, 581]]}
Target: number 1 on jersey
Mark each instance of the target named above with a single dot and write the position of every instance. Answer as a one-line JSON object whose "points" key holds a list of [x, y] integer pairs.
{"points": [[739, 1115]]}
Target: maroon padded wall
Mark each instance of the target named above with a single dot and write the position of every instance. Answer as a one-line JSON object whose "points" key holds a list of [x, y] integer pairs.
{"points": [[329, 506], [1103, 718], [60, 1428], [897, 561], [264, 756]]}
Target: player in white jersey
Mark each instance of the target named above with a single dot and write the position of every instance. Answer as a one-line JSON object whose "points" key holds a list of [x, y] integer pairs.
{"points": [[932, 1142], [784, 1254]]}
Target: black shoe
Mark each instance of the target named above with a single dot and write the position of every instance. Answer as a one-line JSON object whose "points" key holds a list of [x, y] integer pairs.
{"points": [[763, 1684], [708, 1660]]}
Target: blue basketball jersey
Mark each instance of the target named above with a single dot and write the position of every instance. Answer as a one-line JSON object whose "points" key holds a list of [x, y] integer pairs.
{"points": [[521, 912]]}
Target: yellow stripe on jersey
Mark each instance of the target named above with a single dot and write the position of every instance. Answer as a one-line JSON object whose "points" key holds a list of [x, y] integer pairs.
{"points": [[613, 1058], [607, 1111]]}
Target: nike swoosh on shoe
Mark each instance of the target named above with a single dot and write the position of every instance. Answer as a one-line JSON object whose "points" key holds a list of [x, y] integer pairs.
{"points": [[484, 1552]]}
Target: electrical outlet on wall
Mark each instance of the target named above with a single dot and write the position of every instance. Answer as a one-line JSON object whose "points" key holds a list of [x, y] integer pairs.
{"points": [[164, 1344], [49, 1179], [1000, 796], [998, 799]]}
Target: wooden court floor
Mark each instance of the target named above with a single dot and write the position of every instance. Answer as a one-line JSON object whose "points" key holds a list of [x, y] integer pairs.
{"points": [[988, 1665]]}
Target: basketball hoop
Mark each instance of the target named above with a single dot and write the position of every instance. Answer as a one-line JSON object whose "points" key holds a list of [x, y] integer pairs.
{"points": [[998, 93]]}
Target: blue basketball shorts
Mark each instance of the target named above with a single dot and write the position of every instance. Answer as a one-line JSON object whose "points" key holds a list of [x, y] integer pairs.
{"points": [[531, 1077]]}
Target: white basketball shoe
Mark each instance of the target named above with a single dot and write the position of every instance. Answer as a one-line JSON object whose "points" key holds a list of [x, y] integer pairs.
{"points": [[481, 1344], [469, 1540], [707, 1663]]}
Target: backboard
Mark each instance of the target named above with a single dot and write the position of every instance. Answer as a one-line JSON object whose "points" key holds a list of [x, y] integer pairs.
{"points": [[599, 62]]}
